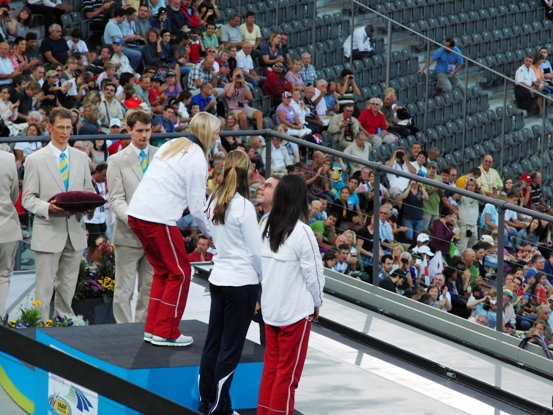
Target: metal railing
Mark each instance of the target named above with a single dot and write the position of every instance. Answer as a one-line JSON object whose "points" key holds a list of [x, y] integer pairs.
{"points": [[378, 169]]}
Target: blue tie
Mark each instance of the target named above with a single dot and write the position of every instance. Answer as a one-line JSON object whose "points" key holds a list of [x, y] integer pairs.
{"points": [[64, 170]]}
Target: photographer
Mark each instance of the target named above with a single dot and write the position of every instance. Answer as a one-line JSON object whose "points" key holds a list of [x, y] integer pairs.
{"points": [[347, 88], [237, 96], [412, 197], [344, 127], [399, 161]]}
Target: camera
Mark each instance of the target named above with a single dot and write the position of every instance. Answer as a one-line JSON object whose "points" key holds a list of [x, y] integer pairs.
{"points": [[5, 13], [470, 179], [241, 105], [350, 123], [238, 76], [469, 233], [400, 154]]}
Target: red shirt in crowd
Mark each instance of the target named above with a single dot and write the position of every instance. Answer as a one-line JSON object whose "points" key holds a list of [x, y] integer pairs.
{"points": [[195, 257], [371, 122]]}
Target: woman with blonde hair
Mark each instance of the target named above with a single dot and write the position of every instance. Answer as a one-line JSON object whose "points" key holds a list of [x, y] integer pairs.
{"points": [[271, 53], [174, 181], [233, 282]]}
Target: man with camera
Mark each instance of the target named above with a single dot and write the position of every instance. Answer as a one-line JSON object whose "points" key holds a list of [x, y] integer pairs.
{"points": [[398, 184], [344, 127], [362, 45], [237, 96]]}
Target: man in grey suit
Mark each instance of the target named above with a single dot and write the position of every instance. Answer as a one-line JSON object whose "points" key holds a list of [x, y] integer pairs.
{"points": [[10, 231], [125, 172], [58, 237]]}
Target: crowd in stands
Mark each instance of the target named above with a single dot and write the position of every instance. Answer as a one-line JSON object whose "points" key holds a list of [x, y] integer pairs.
{"points": [[174, 62]]}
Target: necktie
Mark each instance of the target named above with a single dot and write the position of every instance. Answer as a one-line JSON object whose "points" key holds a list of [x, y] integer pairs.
{"points": [[143, 162], [64, 170]]}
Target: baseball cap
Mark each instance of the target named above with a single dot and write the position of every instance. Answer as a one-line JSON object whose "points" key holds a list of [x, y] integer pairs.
{"points": [[431, 164], [423, 237], [525, 177], [509, 293], [286, 94], [425, 250], [118, 40], [115, 122], [487, 238], [156, 79], [170, 74]]}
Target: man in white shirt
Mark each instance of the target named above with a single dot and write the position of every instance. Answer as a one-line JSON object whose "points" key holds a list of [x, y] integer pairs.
{"points": [[525, 98], [359, 148], [398, 184], [279, 155], [318, 99], [6, 67], [363, 42], [245, 62]]}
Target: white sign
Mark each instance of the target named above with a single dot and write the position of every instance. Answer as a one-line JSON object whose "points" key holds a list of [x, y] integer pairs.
{"points": [[67, 398]]}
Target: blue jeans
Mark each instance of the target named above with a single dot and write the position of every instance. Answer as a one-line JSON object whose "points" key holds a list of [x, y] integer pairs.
{"points": [[134, 55], [413, 226]]}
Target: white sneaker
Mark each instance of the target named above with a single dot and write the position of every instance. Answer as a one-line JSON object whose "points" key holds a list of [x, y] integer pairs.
{"points": [[181, 341], [148, 337], [235, 413]]}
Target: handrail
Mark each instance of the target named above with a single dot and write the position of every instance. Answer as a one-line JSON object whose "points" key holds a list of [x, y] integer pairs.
{"points": [[506, 78]]}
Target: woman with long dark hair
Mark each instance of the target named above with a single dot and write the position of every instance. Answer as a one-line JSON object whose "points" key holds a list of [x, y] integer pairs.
{"points": [[293, 282], [233, 282], [175, 180]]}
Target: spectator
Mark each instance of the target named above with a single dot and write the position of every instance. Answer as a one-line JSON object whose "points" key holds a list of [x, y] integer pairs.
{"points": [[51, 10], [344, 127], [128, 27], [276, 84], [200, 254], [279, 155], [307, 71], [271, 52], [237, 96], [347, 89], [19, 26], [398, 184], [284, 48], [526, 82], [206, 99], [413, 198], [208, 11], [251, 34], [448, 63], [537, 61], [397, 126], [96, 12], [165, 121], [443, 230], [321, 86], [548, 6], [142, 22], [285, 114], [113, 31], [393, 282], [26, 98], [190, 14], [360, 148], [230, 33], [178, 20], [317, 175], [245, 62], [468, 217], [342, 265], [527, 240], [546, 66], [31, 50], [293, 75], [331, 98], [348, 205], [314, 122], [54, 48], [362, 45], [142, 89], [209, 37], [324, 230], [374, 123], [431, 206], [109, 107], [490, 220], [536, 195], [489, 180], [202, 73]]}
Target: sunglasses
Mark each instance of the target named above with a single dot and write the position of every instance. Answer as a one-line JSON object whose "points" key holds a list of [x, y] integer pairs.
{"points": [[278, 66]]}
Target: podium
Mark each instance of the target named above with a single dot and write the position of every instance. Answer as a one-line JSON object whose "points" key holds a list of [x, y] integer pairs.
{"points": [[120, 350]]}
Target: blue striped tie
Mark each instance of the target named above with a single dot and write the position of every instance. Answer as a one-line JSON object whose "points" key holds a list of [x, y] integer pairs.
{"points": [[64, 171]]}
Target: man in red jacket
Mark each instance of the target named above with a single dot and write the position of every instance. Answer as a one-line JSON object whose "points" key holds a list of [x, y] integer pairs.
{"points": [[276, 84], [200, 254]]}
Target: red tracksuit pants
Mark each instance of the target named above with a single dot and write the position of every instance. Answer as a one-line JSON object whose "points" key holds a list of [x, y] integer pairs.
{"points": [[284, 358], [164, 248]]}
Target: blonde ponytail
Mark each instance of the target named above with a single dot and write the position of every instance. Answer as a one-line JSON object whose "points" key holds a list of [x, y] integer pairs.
{"points": [[202, 126], [236, 174]]}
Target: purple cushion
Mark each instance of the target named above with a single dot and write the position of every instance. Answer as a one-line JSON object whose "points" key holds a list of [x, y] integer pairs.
{"points": [[78, 201]]}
